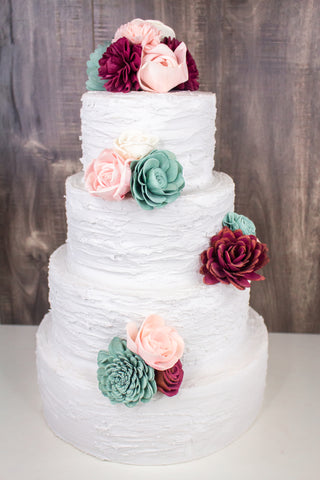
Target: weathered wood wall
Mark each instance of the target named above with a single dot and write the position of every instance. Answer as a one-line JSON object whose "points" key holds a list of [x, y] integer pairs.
{"points": [[263, 60]]}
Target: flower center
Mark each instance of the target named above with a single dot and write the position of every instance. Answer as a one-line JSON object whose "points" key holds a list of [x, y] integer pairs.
{"points": [[122, 382], [160, 177]]}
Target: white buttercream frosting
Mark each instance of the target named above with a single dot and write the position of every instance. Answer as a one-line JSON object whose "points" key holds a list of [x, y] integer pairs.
{"points": [[201, 419], [123, 245], [184, 122]]}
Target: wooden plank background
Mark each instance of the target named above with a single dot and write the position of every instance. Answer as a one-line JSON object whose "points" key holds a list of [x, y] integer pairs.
{"points": [[262, 58]]}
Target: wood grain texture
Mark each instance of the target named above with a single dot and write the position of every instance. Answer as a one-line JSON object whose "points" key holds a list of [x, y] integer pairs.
{"points": [[43, 44], [269, 144], [260, 57]]}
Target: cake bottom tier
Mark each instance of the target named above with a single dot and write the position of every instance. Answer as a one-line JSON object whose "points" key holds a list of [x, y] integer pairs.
{"points": [[198, 421]]}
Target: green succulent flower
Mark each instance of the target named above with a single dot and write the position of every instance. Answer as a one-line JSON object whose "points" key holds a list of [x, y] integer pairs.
{"points": [[234, 221], [123, 376], [94, 82], [156, 179]]}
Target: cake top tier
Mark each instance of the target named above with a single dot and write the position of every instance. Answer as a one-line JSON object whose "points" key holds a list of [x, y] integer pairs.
{"points": [[143, 55], [179, 122]]}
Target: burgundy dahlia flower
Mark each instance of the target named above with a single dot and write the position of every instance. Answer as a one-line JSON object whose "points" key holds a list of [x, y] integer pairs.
{"points": [[169, 381], [233, 258], [119, 66], [192, 83]]}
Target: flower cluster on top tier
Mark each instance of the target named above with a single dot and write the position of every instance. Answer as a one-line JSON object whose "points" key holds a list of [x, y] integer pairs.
{"points": [[235, 254], [132, 371], [143, 55], [154, 177]]}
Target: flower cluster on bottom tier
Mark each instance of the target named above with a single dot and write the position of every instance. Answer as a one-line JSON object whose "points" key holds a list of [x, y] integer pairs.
{"points": [[201, 419]]}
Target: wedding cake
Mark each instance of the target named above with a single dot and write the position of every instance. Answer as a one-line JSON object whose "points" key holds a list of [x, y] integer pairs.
{"points": [[150, 353]]}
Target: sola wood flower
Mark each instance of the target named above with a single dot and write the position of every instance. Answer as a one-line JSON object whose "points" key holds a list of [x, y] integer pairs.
{"points": [[234, 221], [119, 65], [193, 81], [135, 144], [159, 345], [169, 381], [233, 258], [139, 32], [123, 376], [164, 30], [95, 82], [156, 180], [163, 69], [108, 176]]}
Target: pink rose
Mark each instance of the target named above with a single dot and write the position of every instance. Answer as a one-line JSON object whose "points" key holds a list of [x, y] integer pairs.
{"points": [[162, 69], [160, 346], [108, 176], [138, 32]]}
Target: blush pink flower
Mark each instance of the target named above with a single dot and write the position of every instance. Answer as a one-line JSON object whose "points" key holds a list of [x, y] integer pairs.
{"points": [[108, 176], [160, 346], [162, 69], [138, 32], [193, 75]]}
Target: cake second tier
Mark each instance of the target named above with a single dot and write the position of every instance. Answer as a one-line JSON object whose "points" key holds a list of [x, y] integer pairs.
{"points": [[211, 320], [120, 245]]}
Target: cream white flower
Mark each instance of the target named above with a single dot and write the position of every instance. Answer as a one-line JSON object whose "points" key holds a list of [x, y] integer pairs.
{"points": [[165, 30], [134, 144]]}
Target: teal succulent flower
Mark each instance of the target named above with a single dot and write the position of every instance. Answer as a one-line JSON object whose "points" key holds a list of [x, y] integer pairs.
{"points": [[123, 376], [156, 179], [234, 221], [94, 82]]}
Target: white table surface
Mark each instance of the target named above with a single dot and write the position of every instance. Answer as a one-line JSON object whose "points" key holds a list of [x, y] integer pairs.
{"points": [[283, 443]]}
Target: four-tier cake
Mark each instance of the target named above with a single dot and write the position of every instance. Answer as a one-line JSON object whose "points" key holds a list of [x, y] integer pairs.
{"points": [[150, 353]]}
